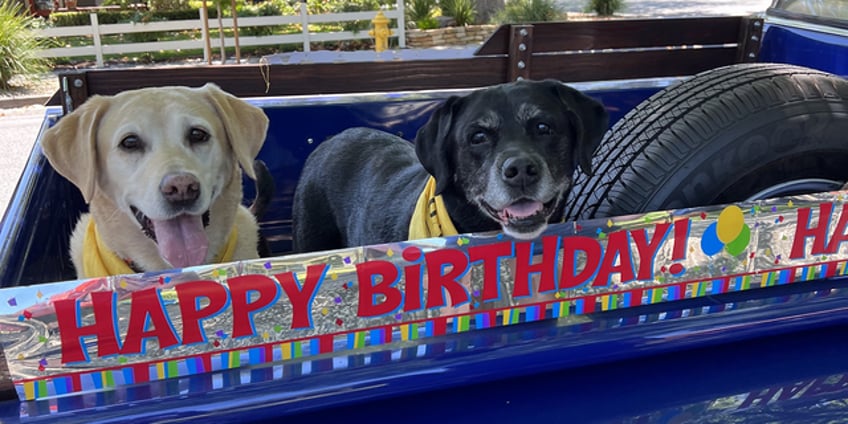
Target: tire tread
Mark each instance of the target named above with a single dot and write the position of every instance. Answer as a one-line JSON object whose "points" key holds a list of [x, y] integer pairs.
{"points": [[644, 147]]}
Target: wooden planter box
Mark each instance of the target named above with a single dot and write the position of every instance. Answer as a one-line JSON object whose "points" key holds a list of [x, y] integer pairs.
{"points": [[448, 36]]}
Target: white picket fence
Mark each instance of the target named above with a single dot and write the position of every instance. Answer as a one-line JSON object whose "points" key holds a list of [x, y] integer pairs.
{"points": [[98, 49]]}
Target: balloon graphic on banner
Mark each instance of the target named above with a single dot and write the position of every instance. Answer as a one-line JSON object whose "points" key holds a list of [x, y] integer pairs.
{"points": [[729, 233], [730, 223], [710, 243]]}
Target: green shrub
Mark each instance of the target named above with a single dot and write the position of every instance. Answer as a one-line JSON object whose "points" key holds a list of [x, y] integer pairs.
{"points": [[18, 44], [266, 8], [123, 4], [244, 8], [181, 15], [167, 5], [333, 6], [605, 7], [427, 23], [358, 6], [523, 11], [276, 8], [462, 11], [420, 10], [445, 5], [62, 19], [144, 37]]}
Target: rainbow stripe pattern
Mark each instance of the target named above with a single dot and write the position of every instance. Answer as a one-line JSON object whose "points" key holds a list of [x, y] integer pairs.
{"points": [[350, 341]]}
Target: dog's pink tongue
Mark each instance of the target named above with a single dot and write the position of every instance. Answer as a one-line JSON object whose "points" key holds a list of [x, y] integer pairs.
{"points": [[523, 209], [182, 241]]}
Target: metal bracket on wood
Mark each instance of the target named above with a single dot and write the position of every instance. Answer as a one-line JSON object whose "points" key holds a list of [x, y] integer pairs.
{"points": [[520, 51], [74, 87], [750, 40]]}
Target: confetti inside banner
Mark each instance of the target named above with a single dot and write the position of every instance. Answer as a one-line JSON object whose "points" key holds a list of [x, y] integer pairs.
{"points": [[64, 338]]}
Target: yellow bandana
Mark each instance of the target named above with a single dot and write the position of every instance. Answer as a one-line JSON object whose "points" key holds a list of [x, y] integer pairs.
{"points": [[99, 261], [430, 218]]}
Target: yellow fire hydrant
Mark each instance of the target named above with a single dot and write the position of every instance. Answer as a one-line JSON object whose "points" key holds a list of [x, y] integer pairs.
{"points": [[381, 32]]}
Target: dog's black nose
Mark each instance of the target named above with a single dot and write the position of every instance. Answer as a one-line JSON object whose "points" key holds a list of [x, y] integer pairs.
{"points": [[520, 171], [180, 188]]}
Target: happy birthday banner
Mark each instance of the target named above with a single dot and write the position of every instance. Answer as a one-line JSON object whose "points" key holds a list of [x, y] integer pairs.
{"points": [[90, 335]]}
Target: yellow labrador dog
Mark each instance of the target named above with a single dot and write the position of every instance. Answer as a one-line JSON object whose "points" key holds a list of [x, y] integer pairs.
{"points": [[159, 168]]}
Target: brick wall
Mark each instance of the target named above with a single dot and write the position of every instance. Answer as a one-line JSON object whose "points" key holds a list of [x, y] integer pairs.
{"points": [[448, 36]]}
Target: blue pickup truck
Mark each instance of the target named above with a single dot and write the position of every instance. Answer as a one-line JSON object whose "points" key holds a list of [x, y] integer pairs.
{"points": [[704, 112]]}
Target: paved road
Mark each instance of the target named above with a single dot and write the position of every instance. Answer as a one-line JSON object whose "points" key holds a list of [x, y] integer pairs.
{"points": [[671, 8], [18, 131]]}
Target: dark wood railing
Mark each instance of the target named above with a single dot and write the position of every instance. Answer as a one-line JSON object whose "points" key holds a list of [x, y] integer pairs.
{"points": [[568, 51]]}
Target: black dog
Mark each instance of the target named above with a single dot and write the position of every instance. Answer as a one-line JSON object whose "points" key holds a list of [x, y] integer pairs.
{"points": [[502, 157]]}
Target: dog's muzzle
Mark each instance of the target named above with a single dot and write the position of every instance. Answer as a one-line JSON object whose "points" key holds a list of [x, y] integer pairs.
{"points": [[180, 189], [524, 209], [147, 224], [524, 218], [520, 172], [180, 239]]}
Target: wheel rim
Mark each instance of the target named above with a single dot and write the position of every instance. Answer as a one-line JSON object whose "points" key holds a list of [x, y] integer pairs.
{"points": [[796, 187]]}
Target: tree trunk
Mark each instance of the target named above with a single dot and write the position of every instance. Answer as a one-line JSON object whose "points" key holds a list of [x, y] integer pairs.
{"points": [[221, 33], [207, 48], [236, 31]]}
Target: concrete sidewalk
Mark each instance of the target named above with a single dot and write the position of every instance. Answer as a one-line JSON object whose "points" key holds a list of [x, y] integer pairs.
{"points": [[17, 102], [680, 8]]}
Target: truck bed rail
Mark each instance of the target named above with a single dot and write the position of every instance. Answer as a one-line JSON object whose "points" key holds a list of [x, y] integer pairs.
{"points": [[568, 51]]}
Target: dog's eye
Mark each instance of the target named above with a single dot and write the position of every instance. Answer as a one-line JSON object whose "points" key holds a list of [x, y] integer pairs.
{"points": [[544, 129], [130, 143], [196, 135], [479, 137]]}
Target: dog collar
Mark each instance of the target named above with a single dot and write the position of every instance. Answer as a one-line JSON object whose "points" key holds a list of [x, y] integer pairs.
{"points": [[100, 261], [430, 218]]}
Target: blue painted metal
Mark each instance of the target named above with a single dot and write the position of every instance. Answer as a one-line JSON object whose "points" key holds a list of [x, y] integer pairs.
{"points": [[779, 355], [796, 43], [781, 348], [45, 207]]}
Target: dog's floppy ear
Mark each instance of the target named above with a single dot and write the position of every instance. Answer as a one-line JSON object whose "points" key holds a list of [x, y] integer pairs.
{"points": [[244, 123], [590, 119], [431, 143], [71, 145]]}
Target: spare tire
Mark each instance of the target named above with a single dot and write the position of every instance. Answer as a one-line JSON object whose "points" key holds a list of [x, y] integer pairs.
{"points": [[729, 134]]}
